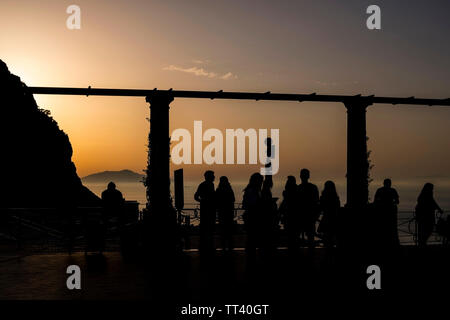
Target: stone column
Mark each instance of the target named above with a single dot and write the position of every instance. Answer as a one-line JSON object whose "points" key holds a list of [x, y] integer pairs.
{"points": [[159, 215], [357, 162]]}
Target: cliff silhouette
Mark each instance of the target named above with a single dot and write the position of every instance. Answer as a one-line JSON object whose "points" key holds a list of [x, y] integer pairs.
{"points": [[36, 168]]}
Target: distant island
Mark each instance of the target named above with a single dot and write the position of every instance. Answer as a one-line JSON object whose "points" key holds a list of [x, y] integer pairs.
{"points": [[116, 176]]}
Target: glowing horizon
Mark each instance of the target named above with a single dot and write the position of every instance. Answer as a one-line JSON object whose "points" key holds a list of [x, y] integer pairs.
{"points": [[172, 45]]}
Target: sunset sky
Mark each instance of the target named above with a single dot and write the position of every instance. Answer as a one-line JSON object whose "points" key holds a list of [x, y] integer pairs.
{"points": [[281, 46]]}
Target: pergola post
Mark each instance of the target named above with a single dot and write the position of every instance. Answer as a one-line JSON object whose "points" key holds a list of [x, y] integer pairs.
{"points": [[357, 161], [159, 216]]}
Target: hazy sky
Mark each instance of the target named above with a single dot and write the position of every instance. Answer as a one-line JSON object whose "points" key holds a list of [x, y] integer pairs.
{"points": [[281, 46]]}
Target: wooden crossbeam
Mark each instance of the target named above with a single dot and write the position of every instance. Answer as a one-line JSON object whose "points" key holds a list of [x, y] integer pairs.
{"points": [[368, 100]]}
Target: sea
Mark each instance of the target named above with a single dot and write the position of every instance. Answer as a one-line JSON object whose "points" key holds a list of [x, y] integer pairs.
{"points": [[407, 190]]}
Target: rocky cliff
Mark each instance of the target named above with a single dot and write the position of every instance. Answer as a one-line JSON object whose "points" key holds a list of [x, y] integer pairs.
{"points": [[36, 168]]}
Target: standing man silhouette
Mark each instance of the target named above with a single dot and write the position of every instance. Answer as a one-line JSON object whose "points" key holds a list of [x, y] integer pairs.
{"points": [[386, 201], [308, 206], [206, 196]]}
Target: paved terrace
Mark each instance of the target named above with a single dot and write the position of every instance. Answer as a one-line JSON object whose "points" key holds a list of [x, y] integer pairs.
{"points": [[224, 278]]}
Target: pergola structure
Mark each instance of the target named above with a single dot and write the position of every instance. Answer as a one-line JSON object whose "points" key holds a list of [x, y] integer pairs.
{"points": [[158, 180]]}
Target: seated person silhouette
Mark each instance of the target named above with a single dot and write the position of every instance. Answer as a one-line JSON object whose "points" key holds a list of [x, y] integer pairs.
{"points": [[113, 201]]}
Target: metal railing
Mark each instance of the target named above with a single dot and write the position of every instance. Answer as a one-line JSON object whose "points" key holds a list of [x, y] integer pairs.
{"points": [[50, 229]]}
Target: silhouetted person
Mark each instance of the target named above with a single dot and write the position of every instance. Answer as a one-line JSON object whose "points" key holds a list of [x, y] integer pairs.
{"points": [[308, 206], [329, 206], [386, 201], [225, 209], [113, 201], [96, 225], [425, 213], [251, 203], [205, 194], [268, 217], [289, 212]]}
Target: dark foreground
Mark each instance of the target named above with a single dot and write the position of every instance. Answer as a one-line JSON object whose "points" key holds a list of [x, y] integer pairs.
{"points": [[283, 280]]}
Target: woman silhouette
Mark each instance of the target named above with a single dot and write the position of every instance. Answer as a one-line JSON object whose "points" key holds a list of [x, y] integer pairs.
{"points": [[225, 209], [425, 213], [289, 214], [329, 205], [251, 203]]}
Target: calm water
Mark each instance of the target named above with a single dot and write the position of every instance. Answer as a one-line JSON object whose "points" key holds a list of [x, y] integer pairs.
{"points": [[408, 192]]}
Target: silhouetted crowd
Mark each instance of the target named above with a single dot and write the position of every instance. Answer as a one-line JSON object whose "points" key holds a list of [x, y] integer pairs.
{"points": [[303, 212], [306, 215]]}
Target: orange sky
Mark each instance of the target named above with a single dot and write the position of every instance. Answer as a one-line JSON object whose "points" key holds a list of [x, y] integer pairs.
{"points": [[299, 48]]}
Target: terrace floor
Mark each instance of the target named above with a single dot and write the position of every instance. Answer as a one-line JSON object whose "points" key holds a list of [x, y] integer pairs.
{"points": [[223, 277]]}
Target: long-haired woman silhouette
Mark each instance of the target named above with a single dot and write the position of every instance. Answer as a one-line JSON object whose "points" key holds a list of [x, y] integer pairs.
{"points": [[425, 213]]}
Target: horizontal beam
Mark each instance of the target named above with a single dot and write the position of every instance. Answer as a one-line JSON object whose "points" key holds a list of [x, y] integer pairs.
{"points": [[239, 95]]}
